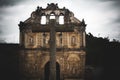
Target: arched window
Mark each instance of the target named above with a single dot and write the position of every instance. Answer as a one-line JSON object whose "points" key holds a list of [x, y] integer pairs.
{"points": [[60, 37], [43, 19], [44, 39], [61, 19], [31, 41], [73, 40], [52, 16]]}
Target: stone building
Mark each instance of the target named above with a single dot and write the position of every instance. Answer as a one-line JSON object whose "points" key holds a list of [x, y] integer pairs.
{"points": [[56, 46]]}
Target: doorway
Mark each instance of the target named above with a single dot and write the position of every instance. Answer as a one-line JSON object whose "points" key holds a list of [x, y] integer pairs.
{"points": [[47, 71]]}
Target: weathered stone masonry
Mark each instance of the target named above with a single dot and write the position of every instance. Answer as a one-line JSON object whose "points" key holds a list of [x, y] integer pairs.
{"points": [[35, 44]]}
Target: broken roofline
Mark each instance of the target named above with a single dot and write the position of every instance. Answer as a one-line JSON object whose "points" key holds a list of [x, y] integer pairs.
{"points": [[52, 10]]}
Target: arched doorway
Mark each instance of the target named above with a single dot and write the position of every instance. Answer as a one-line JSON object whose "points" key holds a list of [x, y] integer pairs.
{"points": [[47, 71]]}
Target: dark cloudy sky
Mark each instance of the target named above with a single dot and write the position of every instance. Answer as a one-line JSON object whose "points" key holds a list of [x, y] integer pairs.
{"points": [[102, 16]]}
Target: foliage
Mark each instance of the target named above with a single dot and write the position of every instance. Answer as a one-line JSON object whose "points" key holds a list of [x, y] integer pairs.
{"points": [[100, 51], [103, 53]]}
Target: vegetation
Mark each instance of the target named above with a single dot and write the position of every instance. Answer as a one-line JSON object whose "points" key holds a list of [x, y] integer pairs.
{"points": [[101, 52]]}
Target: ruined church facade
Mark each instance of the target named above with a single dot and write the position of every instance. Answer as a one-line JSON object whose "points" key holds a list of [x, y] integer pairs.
{"points": [[34, 55]]}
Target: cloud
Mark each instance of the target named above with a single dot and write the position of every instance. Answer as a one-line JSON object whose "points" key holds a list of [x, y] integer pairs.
{"points": [[101, 16], [0, 31], [9, 2], [116, 2], [117, 20]]}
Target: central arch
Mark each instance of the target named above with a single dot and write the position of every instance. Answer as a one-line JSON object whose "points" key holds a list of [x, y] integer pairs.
{"points": [[47, 71]]}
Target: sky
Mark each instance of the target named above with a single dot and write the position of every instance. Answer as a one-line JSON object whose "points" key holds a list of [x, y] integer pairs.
{"points": [[101, 16]]}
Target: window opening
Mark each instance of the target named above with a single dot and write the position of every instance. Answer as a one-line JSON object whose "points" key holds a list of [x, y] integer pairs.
{"points": [[31, 41], [43, 19], [73, 41], [52, 16], [61, 20]]}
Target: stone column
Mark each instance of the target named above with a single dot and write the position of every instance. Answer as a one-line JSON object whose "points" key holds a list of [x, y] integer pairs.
{"points": [[84, 40], [22, 33], [21, 38], [39, 20], [81, 38], [57, 19], [82, 57], [52, 50], [47, 19]]}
